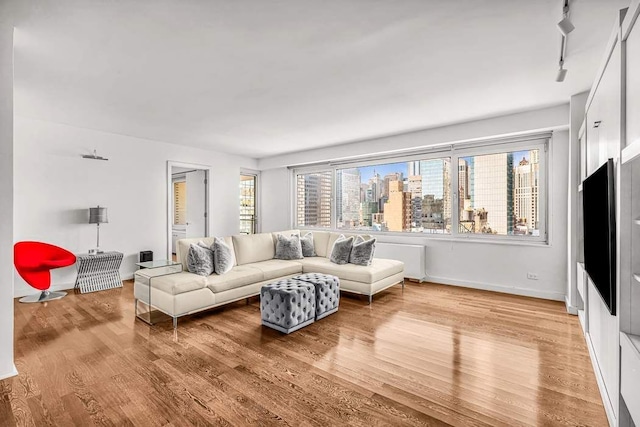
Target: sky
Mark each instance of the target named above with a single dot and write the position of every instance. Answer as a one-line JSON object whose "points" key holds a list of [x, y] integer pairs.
{"points": [[366, 172]]}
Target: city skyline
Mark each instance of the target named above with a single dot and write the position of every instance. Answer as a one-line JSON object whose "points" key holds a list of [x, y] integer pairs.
{"points": [[497, 194], [366, 172]]}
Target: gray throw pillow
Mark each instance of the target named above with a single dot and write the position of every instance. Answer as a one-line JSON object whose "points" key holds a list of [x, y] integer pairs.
{"points": [[288, 247], [200, 259], [223, 257], [341, 250], [308, 249], [362, 251]]}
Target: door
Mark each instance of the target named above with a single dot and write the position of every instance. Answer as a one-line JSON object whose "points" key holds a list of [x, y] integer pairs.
{"points": [[196, 204], [248, 203]]}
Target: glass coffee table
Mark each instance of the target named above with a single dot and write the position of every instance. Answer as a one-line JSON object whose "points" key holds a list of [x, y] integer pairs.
{"points": [[149, 270]]}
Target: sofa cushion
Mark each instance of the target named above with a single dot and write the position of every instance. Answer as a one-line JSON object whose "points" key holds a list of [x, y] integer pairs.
{"points": [[182, 248], [341, 250], [308, 247], [320, 241], [253, 248], [362, 251], [334, 236], [285, 233], [378, 270], [238, 276], [179, 283], [200, 259], [288, 247], [224, 258], [277, 268]]}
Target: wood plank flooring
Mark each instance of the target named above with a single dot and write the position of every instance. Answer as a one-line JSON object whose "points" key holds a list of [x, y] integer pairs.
{"points": [[431, 355]]}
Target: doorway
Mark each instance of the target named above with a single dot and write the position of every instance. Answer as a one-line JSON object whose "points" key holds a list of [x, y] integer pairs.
{"points": [[188, 203], [248, 202]]}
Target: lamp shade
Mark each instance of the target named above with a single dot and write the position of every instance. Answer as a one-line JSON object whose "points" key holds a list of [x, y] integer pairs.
{"points": [[98, 215]]}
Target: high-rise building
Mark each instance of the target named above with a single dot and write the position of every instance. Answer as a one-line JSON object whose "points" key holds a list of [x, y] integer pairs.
{"points": [[413, 168], [375, 187], [363, 192], [395, 176], [525, 192], [397, 211], [415, 189], [367, 210], [463, 186], [349, 191], [436, 190], [314, 199], [493, 190]]}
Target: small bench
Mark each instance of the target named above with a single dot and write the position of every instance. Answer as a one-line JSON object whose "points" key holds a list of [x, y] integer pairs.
{"points": [[327, 292], [288, 305]]}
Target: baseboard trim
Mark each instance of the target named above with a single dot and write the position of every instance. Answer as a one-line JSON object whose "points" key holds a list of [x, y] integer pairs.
{"points": [[606, 402], [555, 296], [10, 374], [571, 309]]}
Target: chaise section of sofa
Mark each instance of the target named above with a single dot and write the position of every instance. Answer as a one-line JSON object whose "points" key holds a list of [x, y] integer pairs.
{"points": [[254, 265], [369, 280]]}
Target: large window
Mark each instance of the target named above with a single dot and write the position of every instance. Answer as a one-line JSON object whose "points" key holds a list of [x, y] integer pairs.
{"points": [[498, 190]]}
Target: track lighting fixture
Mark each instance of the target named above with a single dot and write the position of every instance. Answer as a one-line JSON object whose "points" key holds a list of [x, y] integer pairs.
{"points": [[565, 25], [562, 73]]}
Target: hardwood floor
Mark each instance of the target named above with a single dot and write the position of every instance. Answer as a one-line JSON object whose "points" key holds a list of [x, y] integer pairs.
{"points": [[431, 355]]}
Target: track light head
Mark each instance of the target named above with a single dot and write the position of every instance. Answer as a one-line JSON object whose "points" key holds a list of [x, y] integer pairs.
{"points": [[562, 73], [565, 26]]}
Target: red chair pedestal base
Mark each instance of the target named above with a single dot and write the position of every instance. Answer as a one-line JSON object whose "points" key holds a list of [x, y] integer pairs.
{"points": [[43, 296]]}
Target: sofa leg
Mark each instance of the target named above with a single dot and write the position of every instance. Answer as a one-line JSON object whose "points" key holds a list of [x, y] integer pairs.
{"points": [[370, 299], [247, 301], [175, 323], [402, 285]]}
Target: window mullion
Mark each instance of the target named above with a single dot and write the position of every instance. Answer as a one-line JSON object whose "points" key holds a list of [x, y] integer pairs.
{"points": [[455, 197]]}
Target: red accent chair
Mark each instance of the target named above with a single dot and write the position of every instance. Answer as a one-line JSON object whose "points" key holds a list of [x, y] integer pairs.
{"points": [[34, 262]]}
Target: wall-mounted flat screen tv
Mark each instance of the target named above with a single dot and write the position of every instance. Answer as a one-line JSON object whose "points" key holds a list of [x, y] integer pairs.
{"points": [[599, 208]]}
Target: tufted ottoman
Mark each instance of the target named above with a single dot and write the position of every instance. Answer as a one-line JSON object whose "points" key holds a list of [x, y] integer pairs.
{"points": [[327, 292], [288, 305]]}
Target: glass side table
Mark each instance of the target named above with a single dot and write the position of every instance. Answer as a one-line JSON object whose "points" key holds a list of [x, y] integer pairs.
{"points": [[144, 276]]}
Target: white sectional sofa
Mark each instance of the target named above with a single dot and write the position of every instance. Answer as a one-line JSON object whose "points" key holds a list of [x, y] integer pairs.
{"points": [[186, 293]]}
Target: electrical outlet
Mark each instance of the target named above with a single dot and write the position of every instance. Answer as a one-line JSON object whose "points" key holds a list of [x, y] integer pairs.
{"points": [[532, 276]]}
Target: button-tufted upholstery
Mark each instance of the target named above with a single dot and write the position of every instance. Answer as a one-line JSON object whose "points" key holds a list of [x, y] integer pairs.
{"points": [[288, 305], [327, 292]]}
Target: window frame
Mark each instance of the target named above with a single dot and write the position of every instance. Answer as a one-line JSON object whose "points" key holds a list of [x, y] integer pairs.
{"points": [[454, 152]]}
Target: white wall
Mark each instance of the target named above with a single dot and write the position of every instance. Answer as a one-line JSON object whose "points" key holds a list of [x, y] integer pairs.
{"points": [[550, 118], [496, 266], [7, 367], [54, 187], [275, 199]]}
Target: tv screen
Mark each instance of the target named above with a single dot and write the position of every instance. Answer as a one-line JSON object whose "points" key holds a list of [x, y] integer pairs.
{"points": [[600, 232]]}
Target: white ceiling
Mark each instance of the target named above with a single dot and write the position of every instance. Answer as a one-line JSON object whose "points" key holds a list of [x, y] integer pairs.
{"points": [[261, 78]]}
